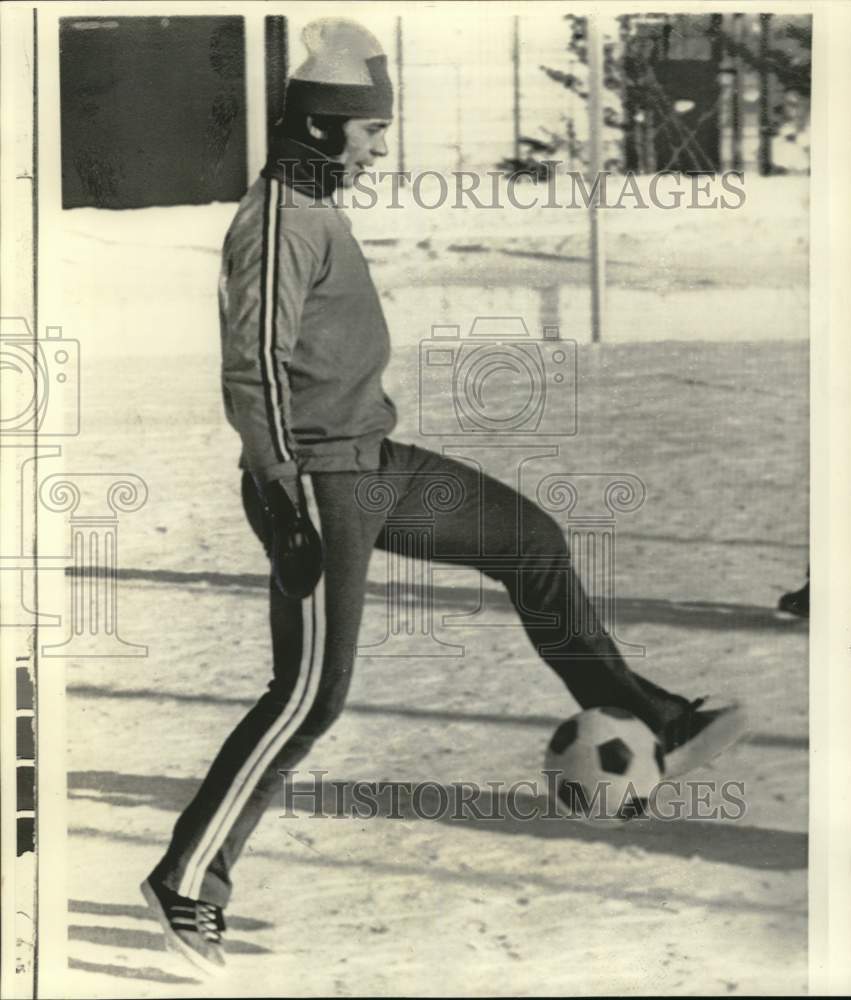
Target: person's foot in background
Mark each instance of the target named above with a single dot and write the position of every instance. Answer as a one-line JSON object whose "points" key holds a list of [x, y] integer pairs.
{"points": [[796, 602]]}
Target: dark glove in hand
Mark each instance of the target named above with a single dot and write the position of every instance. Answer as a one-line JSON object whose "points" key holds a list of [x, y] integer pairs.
{"points": [[296, 549]]}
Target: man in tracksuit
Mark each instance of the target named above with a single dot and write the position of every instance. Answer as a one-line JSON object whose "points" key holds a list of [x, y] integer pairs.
{"points": [[304, 344]]}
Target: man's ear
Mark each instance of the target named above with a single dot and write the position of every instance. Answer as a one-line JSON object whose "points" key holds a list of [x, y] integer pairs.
{"points": [[314, 131]]}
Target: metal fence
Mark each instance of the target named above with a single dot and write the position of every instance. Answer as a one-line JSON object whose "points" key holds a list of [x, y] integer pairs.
{"points": [[470, 97], [193, 108]]}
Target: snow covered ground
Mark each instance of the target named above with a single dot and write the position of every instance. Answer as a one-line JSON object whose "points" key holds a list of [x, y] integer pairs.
{"points": [[138, 282], [707, 405]]}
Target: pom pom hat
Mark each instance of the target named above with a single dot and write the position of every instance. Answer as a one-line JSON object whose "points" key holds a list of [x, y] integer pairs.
{"points": [[345, 73]]}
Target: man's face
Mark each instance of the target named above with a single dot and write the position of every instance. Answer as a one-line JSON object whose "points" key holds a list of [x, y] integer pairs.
{"points": [[365, 142]]}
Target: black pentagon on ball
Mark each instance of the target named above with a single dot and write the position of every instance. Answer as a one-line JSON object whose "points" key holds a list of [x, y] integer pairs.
{"points": [[573, 797], [564, 736], [615, 756], [616, 713], [633, 809]]}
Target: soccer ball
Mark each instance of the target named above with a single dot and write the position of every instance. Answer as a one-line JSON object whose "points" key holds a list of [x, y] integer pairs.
{"points": [[606, 763]]}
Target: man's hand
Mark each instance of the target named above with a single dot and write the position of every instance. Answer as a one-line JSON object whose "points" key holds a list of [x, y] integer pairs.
{"points": [[296, 548]]}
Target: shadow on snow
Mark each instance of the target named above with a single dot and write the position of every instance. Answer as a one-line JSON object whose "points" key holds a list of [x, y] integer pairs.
{"points": [[715, 841]]}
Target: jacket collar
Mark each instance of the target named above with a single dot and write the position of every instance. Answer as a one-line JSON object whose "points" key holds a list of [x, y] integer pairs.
{"points": [[303, 168]]}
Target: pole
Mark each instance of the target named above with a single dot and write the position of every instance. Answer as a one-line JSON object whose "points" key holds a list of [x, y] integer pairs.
{"points": [[630, 152], [459, 156], [400, 113], [716, 41], [595, 166], [255, 93], [738, 82], [764, 84], [515, 60], [276, 69]]}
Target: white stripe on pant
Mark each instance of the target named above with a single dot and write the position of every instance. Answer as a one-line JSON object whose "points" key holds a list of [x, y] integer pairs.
{"points": [[273, 740]]}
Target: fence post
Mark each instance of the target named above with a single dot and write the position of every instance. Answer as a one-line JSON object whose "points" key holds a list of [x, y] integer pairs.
{"points": [[255, 93], [400, 113], [277, 69], [595, 166], [515, 61], [738, 81], [764, 85]]}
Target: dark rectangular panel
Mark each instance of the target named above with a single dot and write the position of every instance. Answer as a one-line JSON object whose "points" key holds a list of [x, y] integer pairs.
{"points": [[25, 740], [23, 688], [26, 835], [25, 774], [686, 105], [152, 110]]}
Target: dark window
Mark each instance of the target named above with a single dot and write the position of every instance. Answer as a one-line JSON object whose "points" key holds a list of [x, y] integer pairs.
{"points": [[153, 110]]}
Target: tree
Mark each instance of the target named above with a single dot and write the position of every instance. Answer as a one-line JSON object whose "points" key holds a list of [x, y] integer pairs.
{"points": [[630, 89]]}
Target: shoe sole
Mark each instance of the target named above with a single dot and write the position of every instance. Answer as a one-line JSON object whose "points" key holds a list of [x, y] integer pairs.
{"points": [[721, 734], [791, 616], [172, 940]]}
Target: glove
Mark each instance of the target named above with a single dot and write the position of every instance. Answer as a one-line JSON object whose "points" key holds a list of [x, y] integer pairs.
{"points": [[295, 551]]}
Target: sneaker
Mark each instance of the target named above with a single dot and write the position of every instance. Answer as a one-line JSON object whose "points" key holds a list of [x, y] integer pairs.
{"points": [[796, 603], [192, 928], [700, 734]]}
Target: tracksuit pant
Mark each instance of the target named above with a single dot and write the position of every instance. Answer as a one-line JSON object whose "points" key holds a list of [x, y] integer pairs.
{"points": [[473, 520]]}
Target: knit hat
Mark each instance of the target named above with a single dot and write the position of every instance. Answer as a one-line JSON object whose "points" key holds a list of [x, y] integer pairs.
{"points": [[345, 73]]}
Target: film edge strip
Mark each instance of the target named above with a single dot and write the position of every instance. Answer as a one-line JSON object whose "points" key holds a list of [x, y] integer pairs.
{"points": [[25, 835]]}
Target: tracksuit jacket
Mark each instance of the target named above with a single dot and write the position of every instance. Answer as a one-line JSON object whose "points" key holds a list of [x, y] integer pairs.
{"points": [[304, 340]]}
